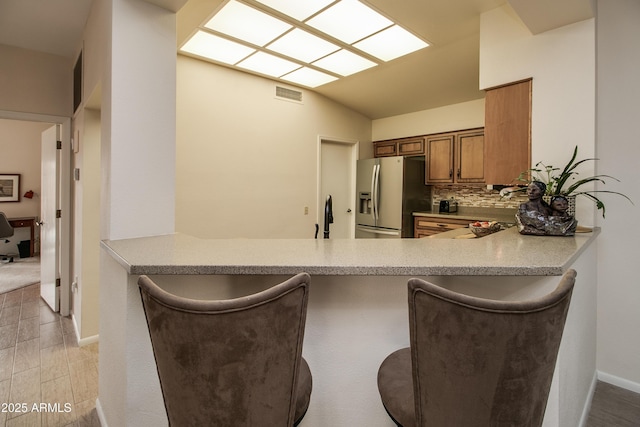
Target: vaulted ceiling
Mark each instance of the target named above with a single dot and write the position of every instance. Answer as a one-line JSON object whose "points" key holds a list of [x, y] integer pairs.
{"points": [[445, 73]]}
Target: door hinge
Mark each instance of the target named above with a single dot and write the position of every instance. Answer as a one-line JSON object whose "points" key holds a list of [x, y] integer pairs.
{"points": [[59, 145], [57, 283], [58, 213]]}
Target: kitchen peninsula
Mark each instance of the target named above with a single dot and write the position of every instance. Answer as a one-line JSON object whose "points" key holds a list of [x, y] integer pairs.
{"points": [[357, 310]]}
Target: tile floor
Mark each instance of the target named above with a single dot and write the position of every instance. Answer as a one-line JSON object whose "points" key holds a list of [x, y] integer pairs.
{"points": [[46, 379]]}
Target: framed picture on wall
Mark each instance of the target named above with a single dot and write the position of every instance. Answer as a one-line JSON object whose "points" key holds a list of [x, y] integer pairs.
{"points": [[9, 187]]}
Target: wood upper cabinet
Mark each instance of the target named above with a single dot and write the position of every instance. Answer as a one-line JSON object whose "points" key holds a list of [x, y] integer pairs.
{"points": [[507, 132], [439, 158], [385, 148], [470, 156], [411, 147], [456, 157], [399, 147]]}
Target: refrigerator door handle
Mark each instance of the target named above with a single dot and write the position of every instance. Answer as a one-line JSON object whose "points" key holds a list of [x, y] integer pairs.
{"points": [[373, 194], [375, 230], [375, 191]]}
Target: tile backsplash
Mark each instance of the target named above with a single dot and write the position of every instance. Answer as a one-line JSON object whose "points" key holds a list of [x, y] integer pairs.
{"points": [[475, 196]]}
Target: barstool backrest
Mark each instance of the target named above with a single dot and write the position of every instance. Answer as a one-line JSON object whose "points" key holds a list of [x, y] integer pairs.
{"points": [[479, 362], [228, 362]]}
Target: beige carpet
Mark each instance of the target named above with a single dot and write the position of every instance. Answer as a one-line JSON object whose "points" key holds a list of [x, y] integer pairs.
{"points": [[21, 272]]}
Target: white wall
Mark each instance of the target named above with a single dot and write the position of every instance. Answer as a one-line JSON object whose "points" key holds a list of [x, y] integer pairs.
{"points": [[138, 120], [86, 249], [35, 82], [138, 83], [246, 161], [618, 147], [562, 65], [464, 115]]}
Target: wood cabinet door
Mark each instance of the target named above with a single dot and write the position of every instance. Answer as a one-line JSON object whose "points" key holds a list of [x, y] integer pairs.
{"points": [[411, 147], [385, 149], [507, 132], [439, 159], [470, 157]]}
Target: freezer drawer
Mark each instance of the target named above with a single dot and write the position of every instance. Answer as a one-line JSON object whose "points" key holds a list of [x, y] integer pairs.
{"points": [[368, 232]]}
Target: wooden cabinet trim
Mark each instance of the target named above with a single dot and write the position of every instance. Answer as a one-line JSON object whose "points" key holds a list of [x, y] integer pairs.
{"points": [[424, 226]]}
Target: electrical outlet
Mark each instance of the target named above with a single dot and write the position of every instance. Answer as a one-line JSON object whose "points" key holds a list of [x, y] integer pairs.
{"points": [[306, 210]]}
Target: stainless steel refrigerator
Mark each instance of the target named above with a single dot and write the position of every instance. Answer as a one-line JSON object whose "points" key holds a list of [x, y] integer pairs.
{"points": [[388, 191]]}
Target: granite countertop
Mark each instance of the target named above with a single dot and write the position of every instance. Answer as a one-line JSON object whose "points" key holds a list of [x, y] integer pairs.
{"points": [[506, 253]]}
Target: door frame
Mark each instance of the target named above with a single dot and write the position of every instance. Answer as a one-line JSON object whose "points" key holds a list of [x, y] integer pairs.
{"points": [[355, 155], [65, 195]]}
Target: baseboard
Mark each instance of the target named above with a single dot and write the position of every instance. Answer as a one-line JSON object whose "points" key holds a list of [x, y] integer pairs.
{"points": [[619, 382], [89, 340], [82, 341], [587, 404], [100, 412]]}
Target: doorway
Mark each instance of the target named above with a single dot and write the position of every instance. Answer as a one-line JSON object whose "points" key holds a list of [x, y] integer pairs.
{"points": [[337, 178], [63, 247]]}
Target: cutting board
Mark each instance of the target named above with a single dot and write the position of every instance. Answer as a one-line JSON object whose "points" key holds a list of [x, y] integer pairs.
{"points": [[466, 236]]}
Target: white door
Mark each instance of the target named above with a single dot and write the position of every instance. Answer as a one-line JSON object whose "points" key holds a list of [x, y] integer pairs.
{"points": [[337, 178], [49, 223]]}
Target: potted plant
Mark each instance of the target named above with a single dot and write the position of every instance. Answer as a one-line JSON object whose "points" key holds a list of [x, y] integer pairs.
{"points": [[566, 182]]}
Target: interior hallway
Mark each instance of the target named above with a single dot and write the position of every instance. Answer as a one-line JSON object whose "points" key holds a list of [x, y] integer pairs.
{"points": [[41, 363]]}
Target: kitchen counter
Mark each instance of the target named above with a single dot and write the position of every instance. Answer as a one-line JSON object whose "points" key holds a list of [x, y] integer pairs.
{"points": [[357, 312], [504, 253]]}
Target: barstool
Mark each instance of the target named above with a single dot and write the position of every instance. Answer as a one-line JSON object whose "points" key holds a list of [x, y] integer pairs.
{"points": [[231, 362], [473, 361]]}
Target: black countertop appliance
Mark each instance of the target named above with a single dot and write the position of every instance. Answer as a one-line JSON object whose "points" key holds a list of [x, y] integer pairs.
{"points": [[448, 206]]}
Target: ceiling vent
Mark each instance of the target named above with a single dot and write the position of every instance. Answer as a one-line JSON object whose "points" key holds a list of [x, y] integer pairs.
{"points": [[288, 94]]}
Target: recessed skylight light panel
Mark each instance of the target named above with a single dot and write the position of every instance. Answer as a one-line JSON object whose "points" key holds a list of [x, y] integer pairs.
{"points": [[268, 64], [216, 48], [391, 43], [302, 45], [344, 63], [276, 37], [246, 23], [309, 77], [349, 21], [297, 9]]}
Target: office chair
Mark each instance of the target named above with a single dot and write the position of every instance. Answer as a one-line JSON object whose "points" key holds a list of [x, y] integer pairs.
{"points": [[235, 362], [474, 362], [6, 230]]}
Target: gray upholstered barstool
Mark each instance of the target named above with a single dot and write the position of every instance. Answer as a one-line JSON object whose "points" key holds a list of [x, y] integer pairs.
{"points": [[473, 361], [234, 362]]}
